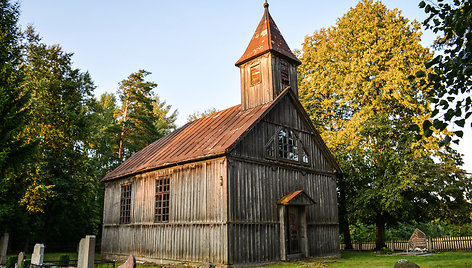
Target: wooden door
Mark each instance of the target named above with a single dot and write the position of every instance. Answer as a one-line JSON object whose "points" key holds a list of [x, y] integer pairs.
{"points": [[293, 230]]}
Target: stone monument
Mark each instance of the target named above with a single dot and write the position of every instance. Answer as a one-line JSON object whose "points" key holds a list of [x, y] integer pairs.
{"points": [[21, 257], [3, 249], [38, 255], [129, 263], [86, 252]]}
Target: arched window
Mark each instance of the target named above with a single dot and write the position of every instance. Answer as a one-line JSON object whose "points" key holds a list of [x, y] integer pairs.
{"points": [[286, 146]]}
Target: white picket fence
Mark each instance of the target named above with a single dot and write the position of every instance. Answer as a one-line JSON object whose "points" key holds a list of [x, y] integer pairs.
{"points": [[462, 243]]}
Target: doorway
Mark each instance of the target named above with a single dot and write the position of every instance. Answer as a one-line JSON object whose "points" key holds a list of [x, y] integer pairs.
{"points": [[294, 230]]}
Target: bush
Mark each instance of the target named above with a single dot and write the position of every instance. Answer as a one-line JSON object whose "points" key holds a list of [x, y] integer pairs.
{"points": [[11, 261], [64, 259], [386, 250]]}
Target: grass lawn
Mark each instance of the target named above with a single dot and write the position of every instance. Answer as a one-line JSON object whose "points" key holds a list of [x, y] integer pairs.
{"points": [[371, 259], [349, 259]]}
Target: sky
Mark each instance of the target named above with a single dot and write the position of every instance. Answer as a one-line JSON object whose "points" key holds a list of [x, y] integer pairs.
{"points": [[189, 46]]}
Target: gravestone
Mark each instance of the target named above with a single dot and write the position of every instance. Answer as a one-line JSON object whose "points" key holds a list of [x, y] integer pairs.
{"points": [[129, 263], [38, 254], [418, 240], [405, 264], [18, 263], [86, 252], [3, 249]]}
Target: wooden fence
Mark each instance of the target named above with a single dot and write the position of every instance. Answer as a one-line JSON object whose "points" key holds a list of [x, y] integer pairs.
{"points": [[462, 243]]}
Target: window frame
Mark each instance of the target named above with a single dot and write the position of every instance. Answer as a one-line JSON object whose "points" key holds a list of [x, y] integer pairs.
{"points": [[125, 202], [275, 141], [162, 199]]}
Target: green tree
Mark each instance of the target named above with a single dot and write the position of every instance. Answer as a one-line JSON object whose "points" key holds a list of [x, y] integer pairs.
{"points": [[14, 147], [197, 115], [142, 118], [451, 79], [61, 174], [358, 84], [104, 133]]}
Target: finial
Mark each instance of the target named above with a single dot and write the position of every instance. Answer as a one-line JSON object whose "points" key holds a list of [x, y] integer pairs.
{"points": [[266, 5]]}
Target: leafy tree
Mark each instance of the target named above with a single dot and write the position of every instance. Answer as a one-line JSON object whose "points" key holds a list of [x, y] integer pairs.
{"points": [[197, 115], [358, 84], [61, 175], [14, 147], [104, 133], [451, 79], [142, 118]]}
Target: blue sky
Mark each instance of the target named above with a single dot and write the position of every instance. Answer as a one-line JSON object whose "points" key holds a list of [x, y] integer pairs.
{"points": [[189, 46]]}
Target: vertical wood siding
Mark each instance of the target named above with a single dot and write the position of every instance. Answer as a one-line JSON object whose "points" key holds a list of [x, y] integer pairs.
{"points": [[254, 190], [284, 114], [196, 230], [257, 183]]}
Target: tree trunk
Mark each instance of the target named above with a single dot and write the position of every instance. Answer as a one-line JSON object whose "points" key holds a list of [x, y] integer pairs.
{"points": [[123, 127], [343, 221], [379, 232]]}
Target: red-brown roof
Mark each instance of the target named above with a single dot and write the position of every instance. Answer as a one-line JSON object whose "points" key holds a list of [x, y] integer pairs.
{"points": [[267, 38], [209, 136]]}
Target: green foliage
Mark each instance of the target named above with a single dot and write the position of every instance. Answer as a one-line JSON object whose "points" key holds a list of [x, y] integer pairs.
{"points": [[15, 149], [11, 261], [142, 118], [197, 115], [63, 187], [386, 251], [451, 80], [358, 83], [64, 260]]}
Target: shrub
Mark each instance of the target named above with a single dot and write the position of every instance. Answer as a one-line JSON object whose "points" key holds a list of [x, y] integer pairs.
{"points": [[11, 261], [64, 259], [386, 250]]}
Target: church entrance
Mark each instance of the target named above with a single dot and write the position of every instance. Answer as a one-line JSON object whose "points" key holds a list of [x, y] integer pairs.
{"points": [[293, 225], [294, 230]]}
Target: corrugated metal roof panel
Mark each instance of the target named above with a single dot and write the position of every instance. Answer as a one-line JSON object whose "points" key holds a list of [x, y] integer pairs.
{"points": [[208, 136]]}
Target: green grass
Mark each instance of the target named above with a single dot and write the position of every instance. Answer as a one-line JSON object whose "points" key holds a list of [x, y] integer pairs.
{"points": [[370, 259], [350, 259]]}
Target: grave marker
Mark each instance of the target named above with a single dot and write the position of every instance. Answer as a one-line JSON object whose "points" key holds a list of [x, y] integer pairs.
{"points": [[38, 254], [18, 263], [3, 249], [86, 252], [129, 263]]}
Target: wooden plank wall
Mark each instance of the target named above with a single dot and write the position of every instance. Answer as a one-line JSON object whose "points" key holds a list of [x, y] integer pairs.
{"points": [[270, 85], [196, 230], [253, 95], [254, 190], [256, 183], [253, 146]]}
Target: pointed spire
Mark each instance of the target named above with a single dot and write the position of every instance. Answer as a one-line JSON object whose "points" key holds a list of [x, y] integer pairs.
{"points": [[267, 38]]}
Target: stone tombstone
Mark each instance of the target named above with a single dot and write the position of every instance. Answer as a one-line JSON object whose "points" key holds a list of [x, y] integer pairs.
{"points": [[418, 240], [86, 252], [206, 265], [38, 254], [4, 248], [21, 257], [129, 263], [405, 264]]}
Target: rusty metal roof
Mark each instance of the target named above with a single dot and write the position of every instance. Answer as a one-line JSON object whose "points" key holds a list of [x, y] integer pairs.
{"points": [[267, 38], [291, 199], [209, 136]]}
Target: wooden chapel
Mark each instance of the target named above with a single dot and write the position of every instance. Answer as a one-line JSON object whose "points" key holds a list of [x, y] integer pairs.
{"points": [[254, 183]]}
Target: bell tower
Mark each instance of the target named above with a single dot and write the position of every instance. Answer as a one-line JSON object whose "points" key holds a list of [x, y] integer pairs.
{"points": [[268, 66]]}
